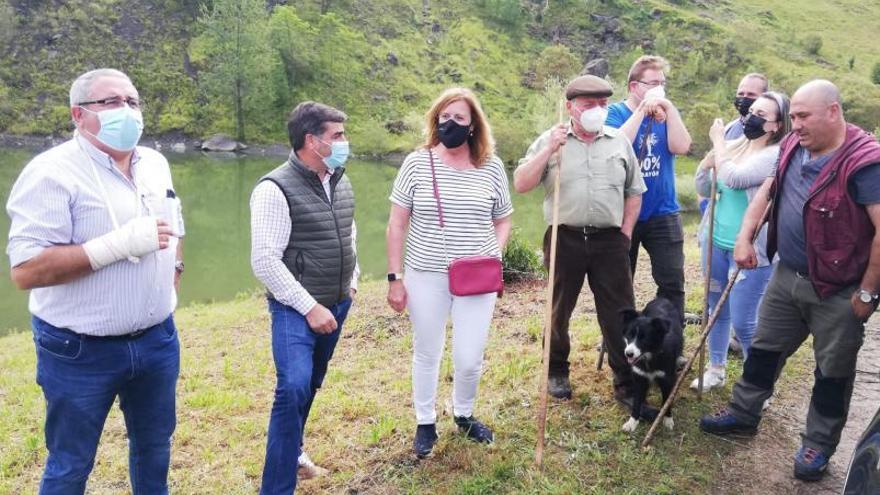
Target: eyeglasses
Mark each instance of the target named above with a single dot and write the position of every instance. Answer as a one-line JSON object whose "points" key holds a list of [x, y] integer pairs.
{"points": [[116, 102], [653, 84]]}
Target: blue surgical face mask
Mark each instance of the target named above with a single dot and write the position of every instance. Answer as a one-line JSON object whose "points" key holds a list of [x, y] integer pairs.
{"points": [[338, 154], [121, 127]]}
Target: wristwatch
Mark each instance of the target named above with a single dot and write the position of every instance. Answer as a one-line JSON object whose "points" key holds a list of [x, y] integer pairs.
{"points": [[178, 266], [867, 296], [392, 277]]}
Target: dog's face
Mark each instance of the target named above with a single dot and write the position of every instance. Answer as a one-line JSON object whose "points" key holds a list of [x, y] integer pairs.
{"points": [[642, 335]]}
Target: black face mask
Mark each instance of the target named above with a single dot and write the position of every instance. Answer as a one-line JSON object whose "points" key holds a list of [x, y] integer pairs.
{"points": [[753, 127], [452, 134], [743, 104]]}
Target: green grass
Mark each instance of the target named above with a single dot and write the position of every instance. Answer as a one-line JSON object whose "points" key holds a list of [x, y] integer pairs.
{"points": [[362, 423]]}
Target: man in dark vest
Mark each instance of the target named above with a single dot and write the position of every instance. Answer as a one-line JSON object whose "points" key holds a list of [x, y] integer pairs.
{"points": [[823, 225], [302, 249]]}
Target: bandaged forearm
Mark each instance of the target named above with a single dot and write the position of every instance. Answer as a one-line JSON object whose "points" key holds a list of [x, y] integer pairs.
{"points": [[136, 238]]}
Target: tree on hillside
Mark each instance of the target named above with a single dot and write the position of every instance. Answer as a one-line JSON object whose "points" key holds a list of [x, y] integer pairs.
{"points": [[234, 56], [295, 41]]}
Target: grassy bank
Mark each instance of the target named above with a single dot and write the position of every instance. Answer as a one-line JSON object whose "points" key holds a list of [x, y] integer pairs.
{"points": [[362, 423]]}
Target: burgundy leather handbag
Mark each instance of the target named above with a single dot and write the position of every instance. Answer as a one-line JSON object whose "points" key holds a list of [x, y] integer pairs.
{"points": [[469, 275]]}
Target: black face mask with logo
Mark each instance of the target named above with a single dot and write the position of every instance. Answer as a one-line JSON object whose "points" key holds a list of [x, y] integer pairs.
{"points": [[452, 134], [743, 104]]}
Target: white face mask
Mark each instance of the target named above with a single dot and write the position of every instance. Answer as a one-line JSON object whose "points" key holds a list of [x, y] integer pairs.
{"points": [[655, 92], [593, 119]]}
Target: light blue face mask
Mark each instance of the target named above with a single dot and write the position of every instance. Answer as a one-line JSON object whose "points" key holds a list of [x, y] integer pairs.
{"points": [[121, 127], [339, 151]]}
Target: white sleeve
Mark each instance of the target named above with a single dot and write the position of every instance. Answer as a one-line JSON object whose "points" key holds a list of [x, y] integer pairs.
{"points": [[270, 233], [357, 266]]}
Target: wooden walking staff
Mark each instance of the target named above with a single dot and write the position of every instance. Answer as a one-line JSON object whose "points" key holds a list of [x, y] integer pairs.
{"points": [[666, 405], [708, 276], [548, 309]]}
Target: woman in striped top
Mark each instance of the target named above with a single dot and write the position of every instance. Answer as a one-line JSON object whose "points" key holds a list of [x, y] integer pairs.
{"points": [[475, 199]]}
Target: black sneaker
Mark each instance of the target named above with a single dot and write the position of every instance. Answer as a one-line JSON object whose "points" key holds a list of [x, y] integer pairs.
{"points": [[474, 430], [426, 437], [559, 387]]}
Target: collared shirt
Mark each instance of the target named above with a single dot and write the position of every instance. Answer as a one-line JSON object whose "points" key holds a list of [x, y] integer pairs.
{"points": [[596, 178], [270, 234], [58, 200]]}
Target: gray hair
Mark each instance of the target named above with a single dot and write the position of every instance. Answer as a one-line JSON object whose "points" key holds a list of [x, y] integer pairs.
{"points": [[80, 89]]}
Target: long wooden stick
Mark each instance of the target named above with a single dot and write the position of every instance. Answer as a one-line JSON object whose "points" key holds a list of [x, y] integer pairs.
{"points": [[681, 376], [707, 279], [548, 312]]}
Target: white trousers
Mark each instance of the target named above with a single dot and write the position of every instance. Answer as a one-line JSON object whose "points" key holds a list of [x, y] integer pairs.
{"points": [[430, 305]]}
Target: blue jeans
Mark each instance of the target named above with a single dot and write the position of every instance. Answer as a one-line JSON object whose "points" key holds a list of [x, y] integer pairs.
{"points": [[741, 307], [81, 377], [301, 357]]}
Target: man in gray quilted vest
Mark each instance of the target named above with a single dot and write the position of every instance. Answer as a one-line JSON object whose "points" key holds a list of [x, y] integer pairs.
{"points": [[303, 250]]}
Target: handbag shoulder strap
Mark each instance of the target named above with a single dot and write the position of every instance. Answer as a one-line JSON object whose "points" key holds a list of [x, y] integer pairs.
{"points": [[436, 189], [439, 207]]}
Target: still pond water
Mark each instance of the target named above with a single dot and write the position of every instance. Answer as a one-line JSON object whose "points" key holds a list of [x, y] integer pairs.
{"points": [[215, 193]]}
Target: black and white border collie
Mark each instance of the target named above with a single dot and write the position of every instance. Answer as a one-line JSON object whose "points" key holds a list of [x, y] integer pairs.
{"points": [[654, 342]]}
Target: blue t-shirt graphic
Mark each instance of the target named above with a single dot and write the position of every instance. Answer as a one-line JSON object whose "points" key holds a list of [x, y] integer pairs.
{"points": [[658, 164]]}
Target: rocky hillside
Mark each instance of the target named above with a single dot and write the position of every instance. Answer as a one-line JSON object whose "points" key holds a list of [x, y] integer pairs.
{"points": [[383, 61]]}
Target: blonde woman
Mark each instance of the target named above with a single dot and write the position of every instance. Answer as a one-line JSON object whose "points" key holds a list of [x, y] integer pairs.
{"points": [[474, 195]]}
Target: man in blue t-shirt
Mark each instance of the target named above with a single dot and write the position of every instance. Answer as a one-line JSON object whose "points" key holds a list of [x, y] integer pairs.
{"points": [[655, 127]]}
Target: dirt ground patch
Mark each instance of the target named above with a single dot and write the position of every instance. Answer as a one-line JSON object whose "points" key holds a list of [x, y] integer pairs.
{"points": [[764, 464]]}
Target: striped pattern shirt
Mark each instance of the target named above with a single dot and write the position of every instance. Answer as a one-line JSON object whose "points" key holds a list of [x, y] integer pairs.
{"points": [[471, 200], [270, 233], [57, 200]]}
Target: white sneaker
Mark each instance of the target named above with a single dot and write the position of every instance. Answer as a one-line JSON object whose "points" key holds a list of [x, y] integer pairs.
{"points": [[306, 469], [714, 377]]}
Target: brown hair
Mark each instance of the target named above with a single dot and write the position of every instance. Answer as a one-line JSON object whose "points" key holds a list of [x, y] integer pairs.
{"points": [[646, 62], [480, 141]]}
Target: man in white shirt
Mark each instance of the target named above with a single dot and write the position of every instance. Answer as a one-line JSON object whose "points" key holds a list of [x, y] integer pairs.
{"points": [[302, 249], [94, 235]]}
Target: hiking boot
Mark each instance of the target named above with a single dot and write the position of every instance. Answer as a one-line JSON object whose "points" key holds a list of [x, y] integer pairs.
{"points": [[306, 469], [810, 464], [714, 377], [474, 430], [426, 437], [559, 387], [724, 423]]}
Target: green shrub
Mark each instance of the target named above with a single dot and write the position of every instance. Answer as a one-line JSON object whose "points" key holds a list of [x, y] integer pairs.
{"points": [[520, 260], [875, 73], [812, 44]]}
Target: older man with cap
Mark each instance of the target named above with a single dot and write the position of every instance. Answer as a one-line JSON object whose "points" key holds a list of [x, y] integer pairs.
{"points": [[599, 201]]}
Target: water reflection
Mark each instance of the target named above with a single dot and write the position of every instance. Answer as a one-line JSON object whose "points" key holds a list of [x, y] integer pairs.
{"points": [[215, 191]]}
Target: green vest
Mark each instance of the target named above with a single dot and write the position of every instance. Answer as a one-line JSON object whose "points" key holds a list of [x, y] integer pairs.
{"points": [[319, 252]]}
